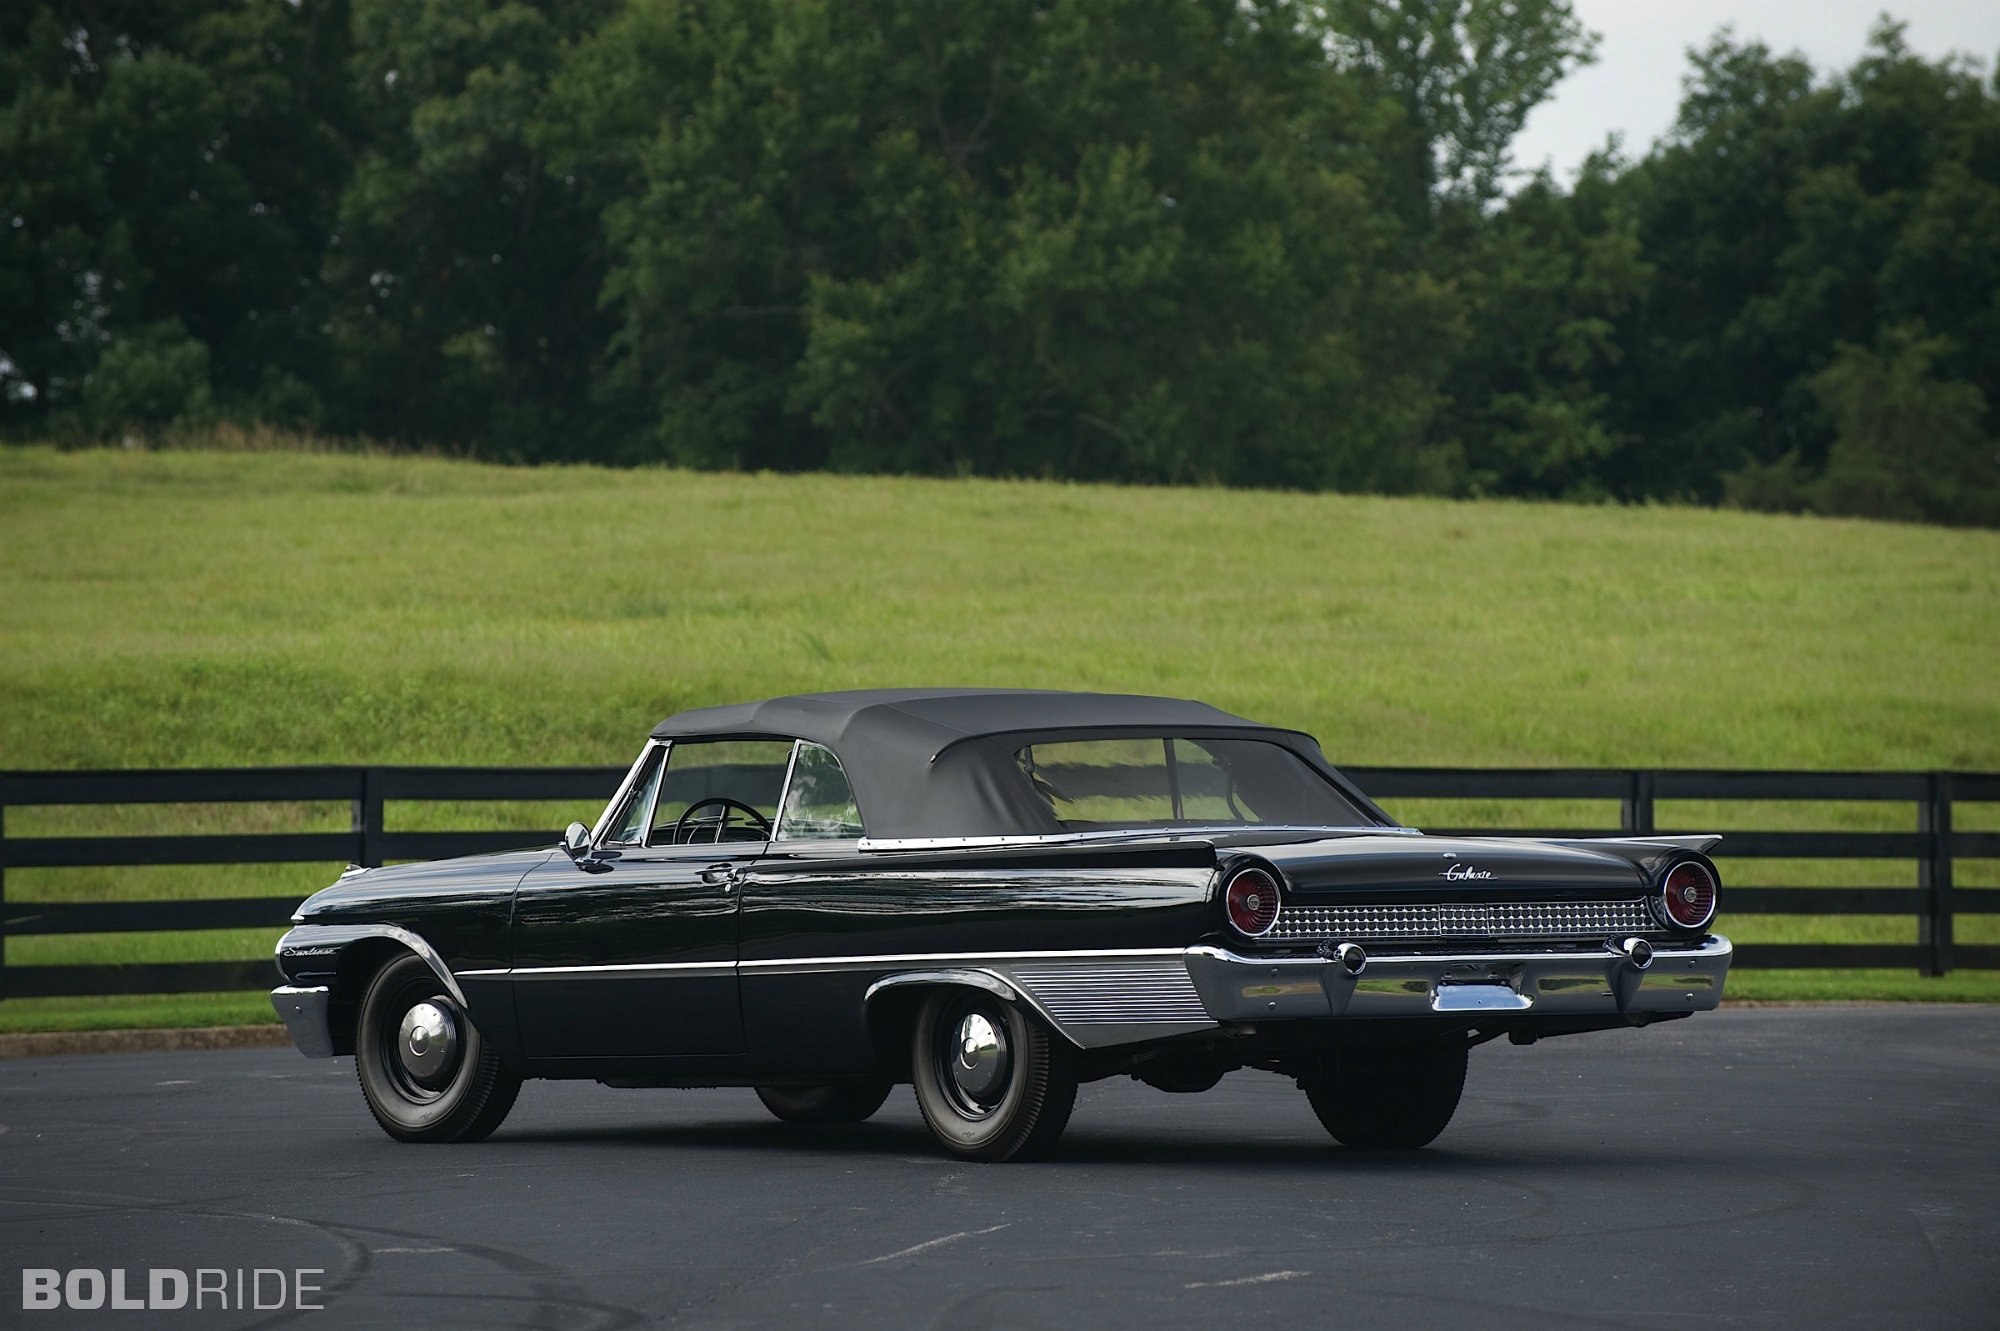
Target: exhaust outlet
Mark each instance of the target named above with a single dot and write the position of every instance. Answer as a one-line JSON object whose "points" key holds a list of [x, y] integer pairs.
{"points": [[1635, 950], [1353, 958]]}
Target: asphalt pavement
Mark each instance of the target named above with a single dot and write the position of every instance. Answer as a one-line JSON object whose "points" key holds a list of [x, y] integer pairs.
{"points": [[1822, 1167]]}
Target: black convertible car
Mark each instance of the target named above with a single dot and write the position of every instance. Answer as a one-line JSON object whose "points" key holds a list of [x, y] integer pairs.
{"points": [[993, 895]]}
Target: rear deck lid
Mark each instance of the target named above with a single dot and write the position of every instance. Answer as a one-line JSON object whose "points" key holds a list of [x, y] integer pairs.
{"points": [[1451, 869]]}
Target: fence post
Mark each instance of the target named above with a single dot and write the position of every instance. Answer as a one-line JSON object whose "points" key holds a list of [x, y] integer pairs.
{"points": [[3, 901], [1635, 811], [1934, 922], [368, 818]]}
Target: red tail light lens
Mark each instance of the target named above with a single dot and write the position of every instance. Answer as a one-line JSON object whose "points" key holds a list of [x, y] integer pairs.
{"points": [[1252, 899], [1690, 895]]}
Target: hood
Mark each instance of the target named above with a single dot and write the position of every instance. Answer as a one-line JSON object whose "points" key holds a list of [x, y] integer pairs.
{"points": [[399, 883]]}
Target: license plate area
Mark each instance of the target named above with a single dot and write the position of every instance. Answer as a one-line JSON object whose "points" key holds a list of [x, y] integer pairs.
{"points": [[1479, 998]]}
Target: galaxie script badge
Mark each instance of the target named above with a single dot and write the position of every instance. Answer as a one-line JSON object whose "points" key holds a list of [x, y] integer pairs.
{"points": [[1457, 873]]}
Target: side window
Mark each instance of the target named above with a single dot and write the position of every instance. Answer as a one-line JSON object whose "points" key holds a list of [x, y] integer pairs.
{"points": [[819, 806], [720, 790], [628, 826], [1100, 782], [1171, 780]]}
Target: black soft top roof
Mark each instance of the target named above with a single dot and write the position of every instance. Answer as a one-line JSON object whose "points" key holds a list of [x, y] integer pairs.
{"points": [[939, 762]]}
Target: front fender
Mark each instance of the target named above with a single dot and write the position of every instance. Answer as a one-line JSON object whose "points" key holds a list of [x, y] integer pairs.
{"points": [[328, 967], [312, 950]]}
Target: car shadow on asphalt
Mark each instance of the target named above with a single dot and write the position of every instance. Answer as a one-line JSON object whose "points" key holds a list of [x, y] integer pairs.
{"points": [[1124, 1147]]}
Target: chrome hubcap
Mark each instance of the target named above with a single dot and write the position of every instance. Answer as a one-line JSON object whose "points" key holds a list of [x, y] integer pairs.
{"points": [[427, 1043], [979, 1064]]}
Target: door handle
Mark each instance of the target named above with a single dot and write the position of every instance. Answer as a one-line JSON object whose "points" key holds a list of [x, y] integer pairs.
{"points": [[724, 876]]}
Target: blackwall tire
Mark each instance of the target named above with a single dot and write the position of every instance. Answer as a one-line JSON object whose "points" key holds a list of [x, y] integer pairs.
{"points": [[461, 1094], [1011, 1100], [841, 1102], [1389, 1099]]}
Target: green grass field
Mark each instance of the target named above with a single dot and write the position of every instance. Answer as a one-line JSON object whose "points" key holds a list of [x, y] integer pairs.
{"points": [[191, 608]]}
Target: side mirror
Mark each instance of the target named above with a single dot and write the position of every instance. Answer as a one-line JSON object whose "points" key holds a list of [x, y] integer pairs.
{"points": [[576, 841]]}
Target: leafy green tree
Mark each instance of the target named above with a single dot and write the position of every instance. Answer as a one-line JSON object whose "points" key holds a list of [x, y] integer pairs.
{"points": [[1787, 217], [1088, 238], [1544, 283], [160, 164], [148, 378], [1466, 73], [1906, 445], [63, 256], [467, 273], [1253, 242]]}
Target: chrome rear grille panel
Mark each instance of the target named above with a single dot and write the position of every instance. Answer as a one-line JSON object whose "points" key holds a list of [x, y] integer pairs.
{"points": [[1474, 919], [1114, 991]]}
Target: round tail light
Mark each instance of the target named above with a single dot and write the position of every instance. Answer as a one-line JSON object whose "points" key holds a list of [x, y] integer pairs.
{"points": [[1252, 899], [1689, 895]]}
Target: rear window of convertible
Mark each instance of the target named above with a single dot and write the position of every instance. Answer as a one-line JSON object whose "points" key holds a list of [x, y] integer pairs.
{"points": [[1113, 783]]}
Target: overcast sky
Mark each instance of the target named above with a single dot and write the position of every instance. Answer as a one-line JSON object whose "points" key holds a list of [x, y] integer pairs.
{"points": [[1635, 86]]}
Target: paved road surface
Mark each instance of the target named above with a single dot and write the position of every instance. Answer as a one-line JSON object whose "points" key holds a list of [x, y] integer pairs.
{"points": [[1761, 1167]]}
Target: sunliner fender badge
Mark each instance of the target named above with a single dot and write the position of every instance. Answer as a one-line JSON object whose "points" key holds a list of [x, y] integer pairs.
{"points": [[340, 935]]}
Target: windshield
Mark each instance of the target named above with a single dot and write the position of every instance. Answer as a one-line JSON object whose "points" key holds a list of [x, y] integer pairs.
{"points": [[1114, 783]]}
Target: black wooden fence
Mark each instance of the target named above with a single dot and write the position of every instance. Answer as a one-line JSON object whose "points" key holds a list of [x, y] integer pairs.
{"points": [[1934, 846]]}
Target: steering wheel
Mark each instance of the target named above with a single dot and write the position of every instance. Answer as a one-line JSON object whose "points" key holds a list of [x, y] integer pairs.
{"points": [[684, 835]]}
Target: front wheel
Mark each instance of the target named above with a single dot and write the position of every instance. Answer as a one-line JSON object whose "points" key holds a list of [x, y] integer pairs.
{"points": [[425, 1072], [993, 1083], [1389, 1099], [840, 1102]]}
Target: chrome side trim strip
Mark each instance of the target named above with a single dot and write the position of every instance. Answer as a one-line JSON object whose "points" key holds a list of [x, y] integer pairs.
{"points": [[340, 935], [978, 979], [805, 965], [1701, 842], [623, 971], [1169, 835], [809, 965], [1085, 1029], [990, 981]]}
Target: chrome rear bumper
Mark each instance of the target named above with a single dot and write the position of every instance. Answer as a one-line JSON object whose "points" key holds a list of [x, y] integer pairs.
{"points": [[1234, 987]]}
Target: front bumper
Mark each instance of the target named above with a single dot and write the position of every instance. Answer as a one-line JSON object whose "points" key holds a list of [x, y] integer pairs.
{"points": [[1234, 987], [304, 1011]]}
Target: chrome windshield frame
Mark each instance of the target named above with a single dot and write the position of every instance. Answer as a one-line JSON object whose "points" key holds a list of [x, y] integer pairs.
{"points": [[617, 801]]}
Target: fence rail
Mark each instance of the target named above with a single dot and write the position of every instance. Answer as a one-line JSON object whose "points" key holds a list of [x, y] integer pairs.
{"points": [[1934, 846]]}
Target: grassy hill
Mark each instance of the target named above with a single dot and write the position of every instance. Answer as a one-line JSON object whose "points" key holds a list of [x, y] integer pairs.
{"points": [[285, 607]]}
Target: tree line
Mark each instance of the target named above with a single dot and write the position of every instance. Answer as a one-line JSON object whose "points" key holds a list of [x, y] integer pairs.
{"points": [[1249, 242]]}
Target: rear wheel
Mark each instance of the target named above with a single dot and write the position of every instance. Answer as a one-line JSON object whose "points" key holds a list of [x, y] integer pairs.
{"points": [[424, 1070], [1389, 1099], [993, 1083], [842, 1102]]}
